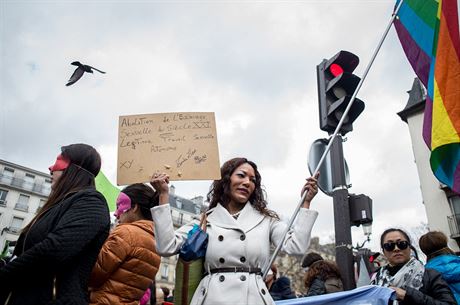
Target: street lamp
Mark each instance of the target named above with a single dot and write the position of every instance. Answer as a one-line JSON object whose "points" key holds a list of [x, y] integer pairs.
{"points": [[367, 230]]}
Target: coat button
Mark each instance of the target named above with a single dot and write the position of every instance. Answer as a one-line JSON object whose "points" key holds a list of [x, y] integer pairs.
{"points": [[222, 260], [263, 291], [221, 238], [203, 291], [221, 278], [242, 237], [243, 278], [242, 259]]}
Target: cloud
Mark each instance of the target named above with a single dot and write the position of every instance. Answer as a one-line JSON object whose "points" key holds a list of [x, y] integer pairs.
{"points": [[253, 64]]}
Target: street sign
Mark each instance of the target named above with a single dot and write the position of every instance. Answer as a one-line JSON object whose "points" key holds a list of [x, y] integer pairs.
{"points": [[325, 174]]}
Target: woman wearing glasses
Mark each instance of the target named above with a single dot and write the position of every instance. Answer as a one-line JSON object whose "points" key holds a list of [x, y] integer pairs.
{"points": [[407, 276]]}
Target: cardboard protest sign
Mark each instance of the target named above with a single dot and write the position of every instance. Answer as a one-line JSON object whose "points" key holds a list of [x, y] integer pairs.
{"points": [[183, 145]]}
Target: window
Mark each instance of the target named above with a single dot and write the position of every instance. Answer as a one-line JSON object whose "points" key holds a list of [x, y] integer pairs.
{"points": [[454, 220], [7, 175], [455, 204], [455, 207], [16, 224], [41, 204], [179, 203], [29, 181], [164, 271], [23, 203], [46, 187], [3, 194], [8, 172]]}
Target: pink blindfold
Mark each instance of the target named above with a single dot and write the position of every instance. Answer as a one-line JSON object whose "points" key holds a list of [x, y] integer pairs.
{"points": [[60, 164], [123, 204]]}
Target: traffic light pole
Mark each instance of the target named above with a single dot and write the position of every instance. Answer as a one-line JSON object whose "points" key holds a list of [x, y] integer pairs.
{"points": [[296, 211], [342, 224]]}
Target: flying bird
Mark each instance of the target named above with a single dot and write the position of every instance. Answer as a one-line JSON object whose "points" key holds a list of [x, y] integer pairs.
{"points": [[78, 73]]}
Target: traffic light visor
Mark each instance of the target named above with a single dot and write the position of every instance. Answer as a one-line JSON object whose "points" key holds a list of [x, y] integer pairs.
{"points": [[347, 61]]}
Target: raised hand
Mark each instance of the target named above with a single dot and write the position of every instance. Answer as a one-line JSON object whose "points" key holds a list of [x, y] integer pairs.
{"points": [[312, 187], [160, 183]]}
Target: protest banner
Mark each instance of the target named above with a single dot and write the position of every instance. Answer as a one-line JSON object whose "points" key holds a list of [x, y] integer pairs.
{"points": [[366, 295], [183, 145]]}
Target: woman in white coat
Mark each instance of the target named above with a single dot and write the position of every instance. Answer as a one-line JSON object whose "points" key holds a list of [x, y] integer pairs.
{"points": [[241, 230]]}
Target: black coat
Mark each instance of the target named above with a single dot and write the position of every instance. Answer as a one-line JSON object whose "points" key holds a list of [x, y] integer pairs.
{"points": [[58, 253], [434, 291], [320, 287], [317, 287]]}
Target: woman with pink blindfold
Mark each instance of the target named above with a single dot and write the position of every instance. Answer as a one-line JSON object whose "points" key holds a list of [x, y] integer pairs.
{"points": [[58, 248], [128, 261]]}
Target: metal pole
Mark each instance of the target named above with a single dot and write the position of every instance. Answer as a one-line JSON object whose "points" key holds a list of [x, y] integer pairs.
{"points": [[343, 243], [296, 211]]}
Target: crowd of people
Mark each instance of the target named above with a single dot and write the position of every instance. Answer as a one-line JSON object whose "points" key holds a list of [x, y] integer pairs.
{"points": [[68, 255]]}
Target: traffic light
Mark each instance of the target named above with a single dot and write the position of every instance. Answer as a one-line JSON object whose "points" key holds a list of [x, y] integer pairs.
{"points": [[336, 85]]}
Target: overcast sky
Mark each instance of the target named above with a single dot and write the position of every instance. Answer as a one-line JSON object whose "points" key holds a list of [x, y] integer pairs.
{"points": [[253, 63]]}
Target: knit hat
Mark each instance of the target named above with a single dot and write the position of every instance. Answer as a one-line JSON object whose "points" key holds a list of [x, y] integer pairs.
{"points": [[310, 258]]}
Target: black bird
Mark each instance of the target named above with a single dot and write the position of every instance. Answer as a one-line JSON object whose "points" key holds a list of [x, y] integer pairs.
{"points": [[78, 73]]}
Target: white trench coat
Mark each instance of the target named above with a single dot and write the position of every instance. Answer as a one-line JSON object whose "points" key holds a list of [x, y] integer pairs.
{"points": [[244, 242]]}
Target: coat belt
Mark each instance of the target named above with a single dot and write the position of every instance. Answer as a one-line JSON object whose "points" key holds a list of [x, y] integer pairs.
{"points": [[236, 269]]}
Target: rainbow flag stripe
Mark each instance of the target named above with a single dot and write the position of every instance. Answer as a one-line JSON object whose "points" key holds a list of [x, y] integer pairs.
{"points": [[429, 34]]}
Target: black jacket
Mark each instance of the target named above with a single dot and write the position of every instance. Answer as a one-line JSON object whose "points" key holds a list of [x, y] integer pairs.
{"points": [[58, 253], [434, 291], [320, 287], [281, 289]]}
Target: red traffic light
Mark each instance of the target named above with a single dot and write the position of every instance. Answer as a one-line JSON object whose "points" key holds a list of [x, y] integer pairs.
{"points": [[336, 70]]}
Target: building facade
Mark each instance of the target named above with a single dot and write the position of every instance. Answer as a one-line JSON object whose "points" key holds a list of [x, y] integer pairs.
{"points": [[22, 192], [441, 204]]}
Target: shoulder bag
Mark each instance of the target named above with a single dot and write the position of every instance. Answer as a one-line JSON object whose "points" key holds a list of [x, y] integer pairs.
{"points": [[190, 265]]}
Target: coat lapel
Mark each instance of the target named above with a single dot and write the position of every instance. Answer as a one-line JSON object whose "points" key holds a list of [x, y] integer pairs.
{"points": [[249, 218], [222, 218]]}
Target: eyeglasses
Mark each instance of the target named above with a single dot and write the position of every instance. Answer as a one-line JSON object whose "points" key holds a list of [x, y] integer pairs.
{"points": [[402, 245]]}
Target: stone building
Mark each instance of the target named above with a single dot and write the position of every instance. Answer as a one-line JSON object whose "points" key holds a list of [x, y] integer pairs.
{"points": [[22, 192], [441, 204]]}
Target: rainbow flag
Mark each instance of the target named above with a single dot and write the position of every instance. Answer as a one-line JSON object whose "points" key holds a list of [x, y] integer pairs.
{"points": [[429, 34]]}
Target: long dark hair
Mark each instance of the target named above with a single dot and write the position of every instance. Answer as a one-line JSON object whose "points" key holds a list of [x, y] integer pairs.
{"points": [[85, 163], [143, 196], [220, 192], [382, 237]]}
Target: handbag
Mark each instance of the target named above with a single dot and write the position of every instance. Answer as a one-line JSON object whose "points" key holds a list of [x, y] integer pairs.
{"points": [[190, 265]]}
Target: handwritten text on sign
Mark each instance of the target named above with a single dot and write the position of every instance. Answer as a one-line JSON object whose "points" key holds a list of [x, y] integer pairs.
{"points": [[183, 145]]}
